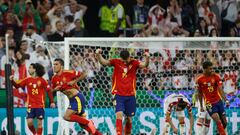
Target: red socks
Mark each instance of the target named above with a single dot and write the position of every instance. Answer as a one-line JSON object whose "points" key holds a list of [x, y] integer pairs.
{"points": [[32, 129], [78, 119], [220, 128], [39, 131], [119, 126], [128, 128]]}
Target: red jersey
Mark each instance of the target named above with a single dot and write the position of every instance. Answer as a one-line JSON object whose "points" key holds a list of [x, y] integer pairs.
{"points": [[209, 86], [64, 78], [124, 77], [36, 87]]}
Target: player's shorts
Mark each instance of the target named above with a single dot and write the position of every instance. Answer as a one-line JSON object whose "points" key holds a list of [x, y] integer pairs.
{"points": [[216, 108], [126, 104], [35, 113], [77, 103]]}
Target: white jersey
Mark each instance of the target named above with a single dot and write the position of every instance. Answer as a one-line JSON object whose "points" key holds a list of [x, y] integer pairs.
{"points": [[171, 101]]}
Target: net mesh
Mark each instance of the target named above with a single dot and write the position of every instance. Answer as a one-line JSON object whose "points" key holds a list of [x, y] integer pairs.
{"points": [[173, 68]]}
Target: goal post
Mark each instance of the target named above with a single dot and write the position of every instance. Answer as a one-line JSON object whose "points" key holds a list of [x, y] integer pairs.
{"points": [[174, 64]]}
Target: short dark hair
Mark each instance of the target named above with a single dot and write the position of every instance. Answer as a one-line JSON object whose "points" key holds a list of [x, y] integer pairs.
{"points": [[181, 104], [40, 70], [207, 64], [60, 61], [124, 54]]}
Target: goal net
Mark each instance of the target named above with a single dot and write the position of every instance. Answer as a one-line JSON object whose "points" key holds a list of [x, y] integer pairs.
{"points": [[174, 64]]}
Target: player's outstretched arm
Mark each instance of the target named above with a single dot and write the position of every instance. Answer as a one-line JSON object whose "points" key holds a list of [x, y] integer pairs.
{"points": [[175, 130], [145, 63], [223, 96], [101, 59]]}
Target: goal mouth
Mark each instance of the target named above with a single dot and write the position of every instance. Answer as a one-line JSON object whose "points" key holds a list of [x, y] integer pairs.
{"points": [[174, 65]]}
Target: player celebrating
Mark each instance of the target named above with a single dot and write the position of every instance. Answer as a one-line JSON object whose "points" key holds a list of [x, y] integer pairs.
{"points": [[177, 103], [36, 87], [124, 86], [66, 82], [204, 119], [210, 88]]}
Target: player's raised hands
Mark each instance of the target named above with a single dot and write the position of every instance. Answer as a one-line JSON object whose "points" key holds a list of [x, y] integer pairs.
{"points": [[98, 51]]}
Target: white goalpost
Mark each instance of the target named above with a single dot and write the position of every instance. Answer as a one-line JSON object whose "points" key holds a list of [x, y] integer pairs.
{"points": [[175, 62]]}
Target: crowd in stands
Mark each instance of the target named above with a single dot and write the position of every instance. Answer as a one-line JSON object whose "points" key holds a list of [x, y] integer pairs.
{"points": [[28, 22]]}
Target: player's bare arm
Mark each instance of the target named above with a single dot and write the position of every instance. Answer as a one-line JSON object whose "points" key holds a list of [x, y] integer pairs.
{"points": [[222, 94], [83, 76], [145, 63], [175, 130], [191, 122], [101, 59]]}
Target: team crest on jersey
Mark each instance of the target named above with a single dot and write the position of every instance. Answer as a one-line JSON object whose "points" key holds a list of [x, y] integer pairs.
{"points": [[34, 85], [38, 83], [209, 83], [64, 79], [30, 84], [204, 83]]}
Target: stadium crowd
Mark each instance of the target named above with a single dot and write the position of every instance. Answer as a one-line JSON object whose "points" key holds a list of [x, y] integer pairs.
{"points": [[27, 22]]}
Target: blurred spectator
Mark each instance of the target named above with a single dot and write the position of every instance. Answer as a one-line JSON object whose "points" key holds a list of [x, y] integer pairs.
{"points": [[229, 14], [174, 11], [138, 15], [104, 15], [31, 34], [3, 62], [11, 37], [31, 17], [47, 31], [78, 31], [76, 10], [213, 33], [55, 15], [203, 27], [156, 15], [204, 8], [118, 18], [69, 24], [2, 46], [39, 56], [43, 7], [59, 34]]}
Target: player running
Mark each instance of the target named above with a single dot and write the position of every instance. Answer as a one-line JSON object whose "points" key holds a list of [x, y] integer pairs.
{"points": [[209, 86], [65, 81]]}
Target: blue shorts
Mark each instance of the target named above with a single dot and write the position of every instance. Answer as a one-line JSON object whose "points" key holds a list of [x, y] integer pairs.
{"points": [[126, 104], [216, 108], [77, 103], [35, 113]]}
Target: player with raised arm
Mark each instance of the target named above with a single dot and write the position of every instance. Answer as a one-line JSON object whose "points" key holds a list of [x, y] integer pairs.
{"points": [[177, 103], [124, 86], [36, 87], [65, 81], [204, 119], [210, 89]]}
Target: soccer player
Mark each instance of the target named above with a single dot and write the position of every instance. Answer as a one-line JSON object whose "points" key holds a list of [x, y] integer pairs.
{"points": [[177, 103], [65, 81], [124, 86], [36, 87], [210, 89], [204, 119]]}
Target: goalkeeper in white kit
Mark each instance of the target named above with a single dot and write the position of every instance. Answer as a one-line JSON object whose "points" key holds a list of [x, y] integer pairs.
{"points": [[177, 103]]}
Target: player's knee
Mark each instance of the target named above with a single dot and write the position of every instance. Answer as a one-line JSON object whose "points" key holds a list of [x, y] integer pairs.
{"points": [[128, 119]]}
